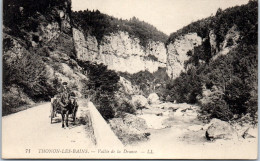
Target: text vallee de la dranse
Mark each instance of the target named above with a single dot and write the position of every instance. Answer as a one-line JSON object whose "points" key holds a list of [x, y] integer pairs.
{"points": [[91, 151]]}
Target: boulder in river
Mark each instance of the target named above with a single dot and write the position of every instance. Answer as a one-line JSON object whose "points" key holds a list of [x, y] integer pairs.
{"points": [[153, 98], [220, 130]]}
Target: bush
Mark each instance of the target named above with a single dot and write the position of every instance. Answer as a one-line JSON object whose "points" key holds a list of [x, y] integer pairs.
{"points": [[105, 105], [124, 106], [230, 82], [186, 88], [103, 89], [8, 103], [102, 85], [217, 109], [13, 98], [30, 73]]}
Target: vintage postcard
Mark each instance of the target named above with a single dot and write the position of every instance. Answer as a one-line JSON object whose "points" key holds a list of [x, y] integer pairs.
{"points": [[130, 79]]}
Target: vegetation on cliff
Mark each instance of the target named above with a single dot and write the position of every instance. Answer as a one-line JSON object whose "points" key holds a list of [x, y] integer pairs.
{"points": [[23, 16], [226, 85], [245, 17], [102, 87], [28, 58], [99, 24]]}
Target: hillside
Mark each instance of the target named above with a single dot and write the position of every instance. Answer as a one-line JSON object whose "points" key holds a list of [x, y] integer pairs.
{"points": [[39, 54], [35, 62], [217, 63]]}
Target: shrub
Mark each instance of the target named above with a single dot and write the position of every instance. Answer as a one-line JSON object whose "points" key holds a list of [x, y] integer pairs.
{"points": [[186, 88], [102, 85], [8, 103], [217, 108], [13, 98], [105, 105], [30, 73], [27, 20], [127, 107], [124, 106]]}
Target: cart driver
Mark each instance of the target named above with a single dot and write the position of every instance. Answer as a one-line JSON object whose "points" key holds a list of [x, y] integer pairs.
{"points": [[64, 94]]}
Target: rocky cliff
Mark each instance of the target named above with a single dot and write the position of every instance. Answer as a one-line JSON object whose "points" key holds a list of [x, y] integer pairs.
{"points": [[120, 52], [177, 53], [182, 48], [38, 51]]}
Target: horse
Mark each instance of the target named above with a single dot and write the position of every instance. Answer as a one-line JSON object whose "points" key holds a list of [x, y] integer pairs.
{"points": [[73, 107], [70, 107]]}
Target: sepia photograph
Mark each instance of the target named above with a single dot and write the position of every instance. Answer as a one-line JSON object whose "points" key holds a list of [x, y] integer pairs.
{"points": [[129, 79]]}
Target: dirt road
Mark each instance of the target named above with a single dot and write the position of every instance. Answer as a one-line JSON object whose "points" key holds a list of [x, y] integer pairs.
{"points": [[30, 132]]}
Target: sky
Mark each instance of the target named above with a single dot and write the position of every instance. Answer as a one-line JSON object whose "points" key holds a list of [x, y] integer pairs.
{"points": [[166, 15]]}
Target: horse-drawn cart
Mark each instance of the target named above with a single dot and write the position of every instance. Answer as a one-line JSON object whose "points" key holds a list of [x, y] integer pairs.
{"points": [[70, 107]]}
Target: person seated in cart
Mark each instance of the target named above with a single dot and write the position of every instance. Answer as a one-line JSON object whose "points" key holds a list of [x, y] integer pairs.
{"points": [[64, 102], [61, 99], [64, 95], [68, 99]]}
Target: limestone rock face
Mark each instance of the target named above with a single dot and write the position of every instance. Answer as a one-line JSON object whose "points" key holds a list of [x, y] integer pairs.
{"points": [[158, 50], [177, 53], [50, 31], [120, 52], [179, 50], [87, 48], [220, 130]]}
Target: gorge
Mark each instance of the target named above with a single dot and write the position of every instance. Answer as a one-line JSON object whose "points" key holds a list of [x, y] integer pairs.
{"points": [[117, 64]]}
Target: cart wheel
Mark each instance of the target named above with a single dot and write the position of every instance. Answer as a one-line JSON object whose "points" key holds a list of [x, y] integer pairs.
{"points": [[52, 115]]}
